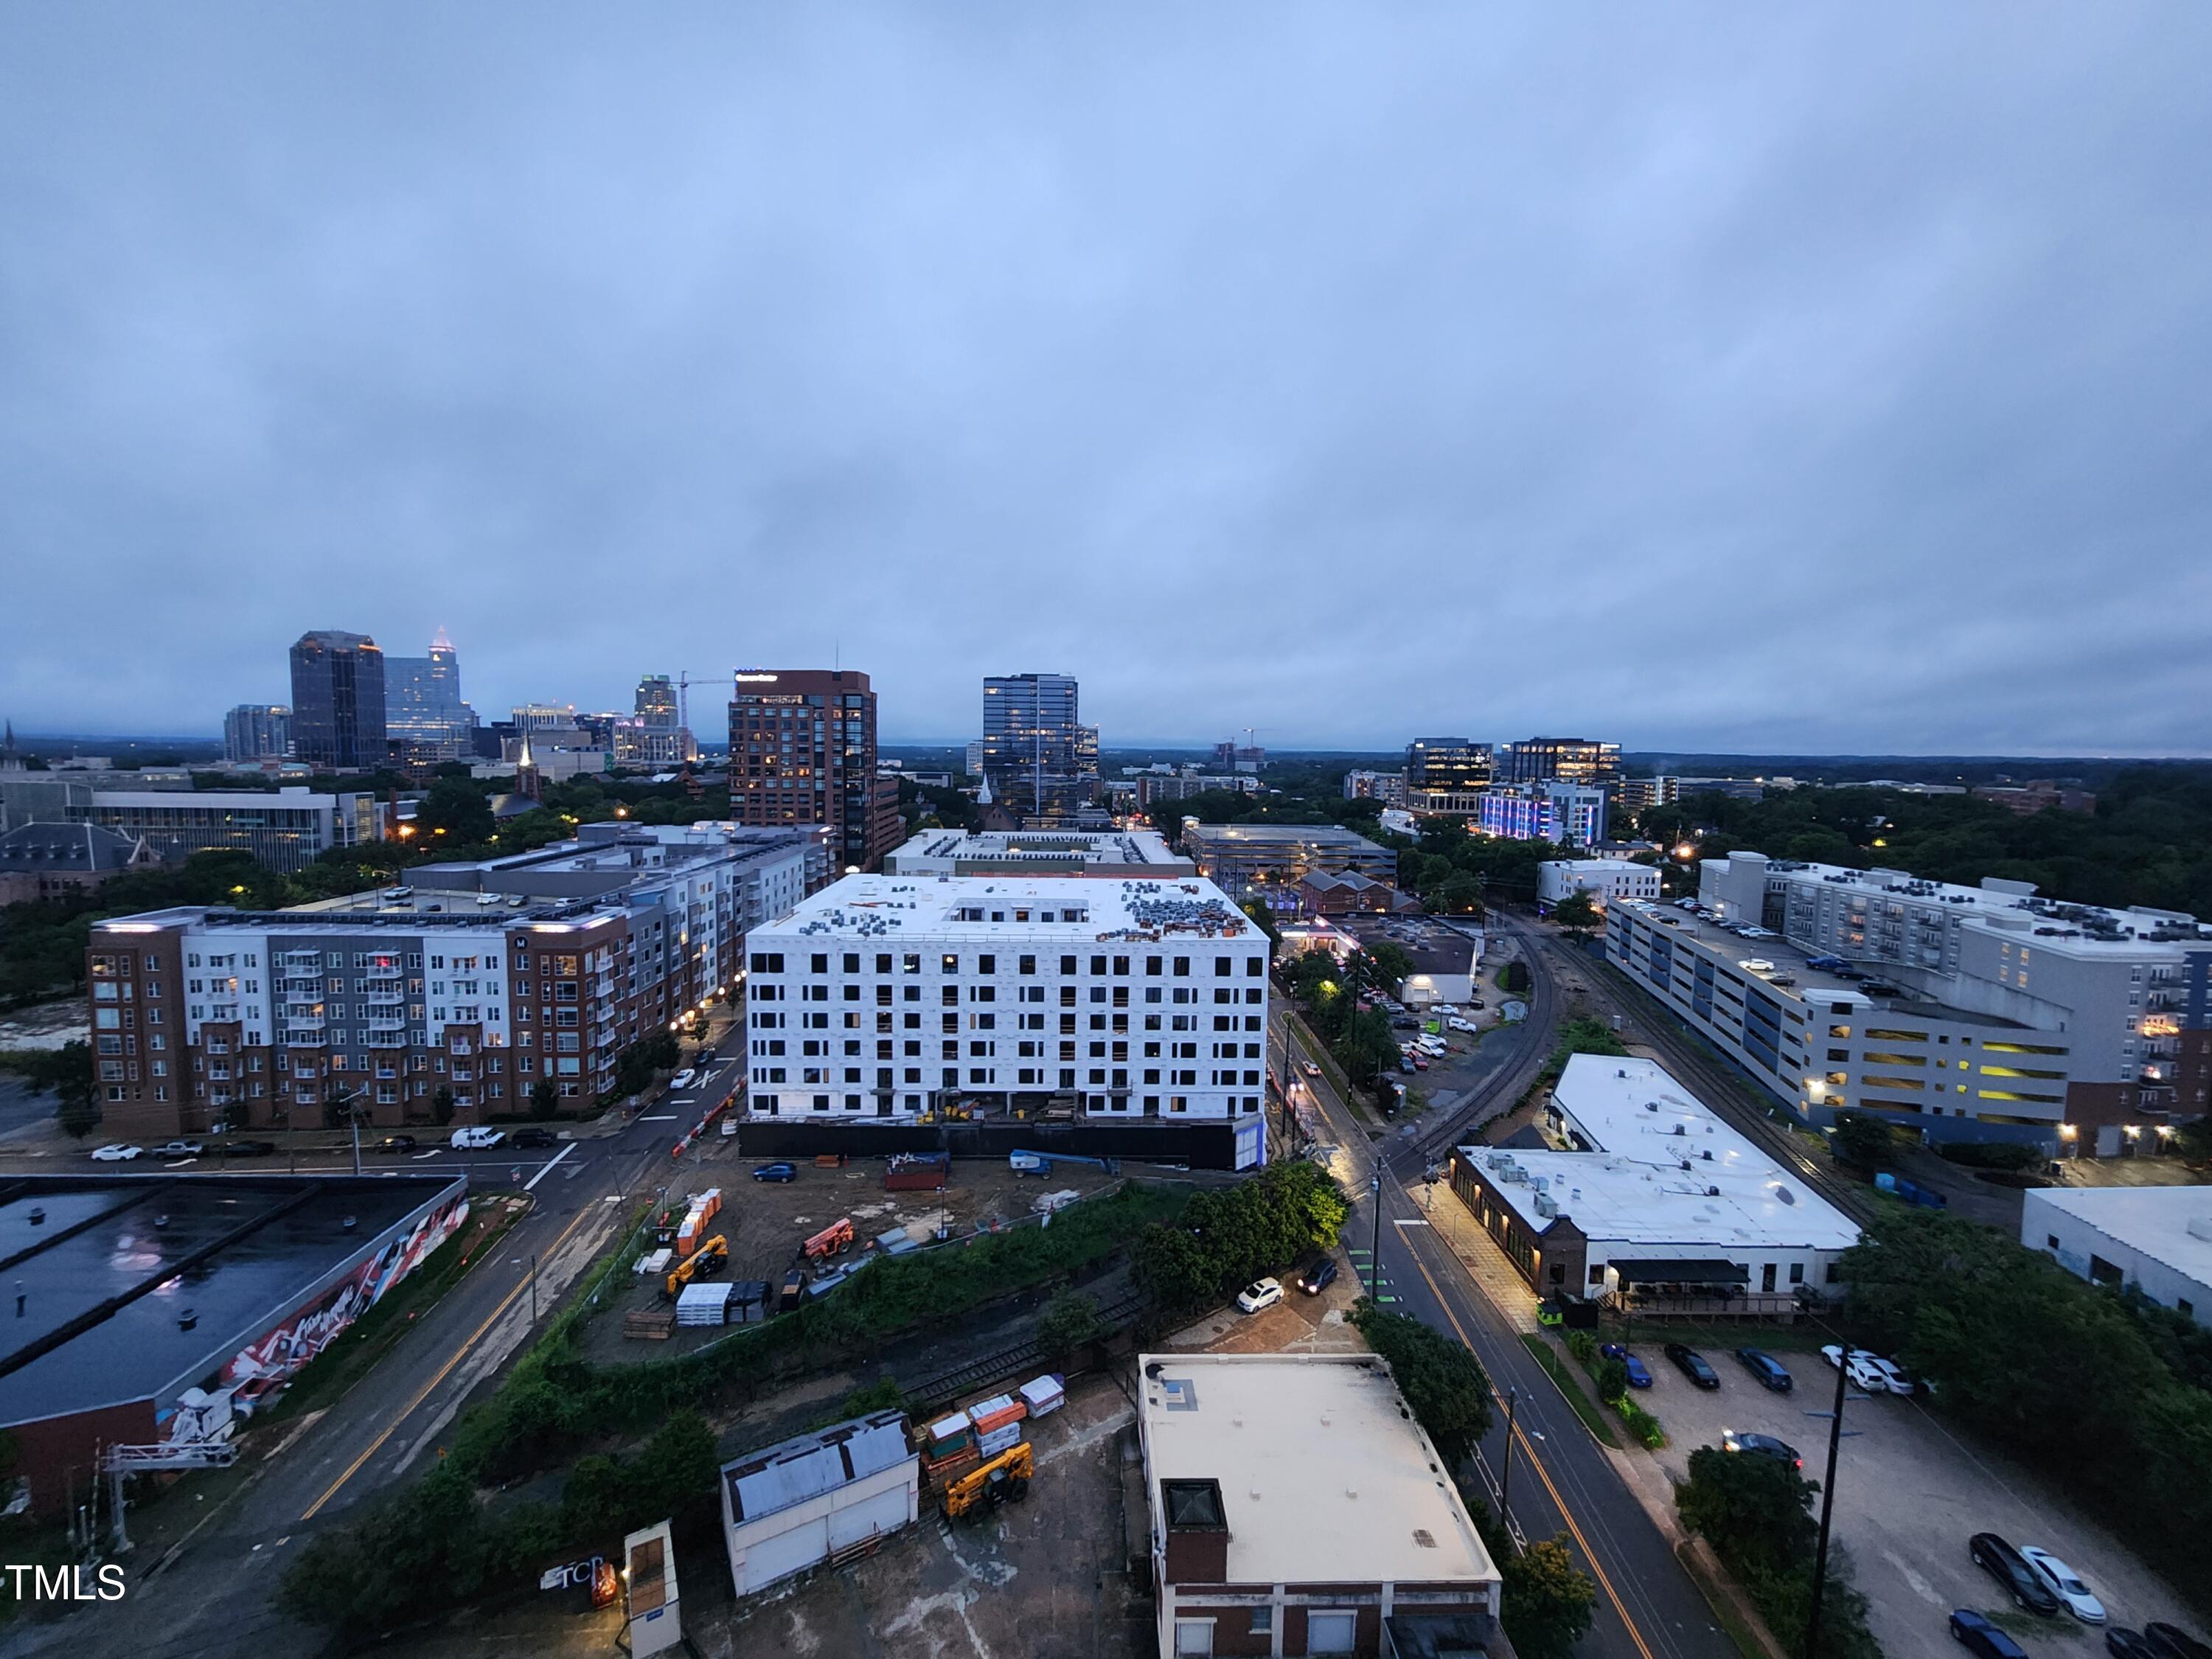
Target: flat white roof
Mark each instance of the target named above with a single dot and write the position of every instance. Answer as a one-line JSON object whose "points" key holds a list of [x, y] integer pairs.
{"points": [[2153, 1221], [1631, 1188], [1593, 865], [1325, 1477], [1099, 910], [935, 849]]}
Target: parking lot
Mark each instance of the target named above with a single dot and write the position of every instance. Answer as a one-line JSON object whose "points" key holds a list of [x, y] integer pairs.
{"points": [[1909, 1494]]}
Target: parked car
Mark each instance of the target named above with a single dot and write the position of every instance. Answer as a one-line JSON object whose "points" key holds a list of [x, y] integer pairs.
{"points": [[245, 1148], [1639, 1374], [533, 1138], [396, 1143], [1317, 1275], [1893, 1376], [2124, 1643], [178, 1149], [1404, 1022], [1692, 1364], [2010, 1568], [1420, 1063], [116, 1152], [776, 1172], [1767, 1368], [706, 1057], [2065, 1583], [1863, 1372], [683, 1078], [1259, 1294], [475, 1137], [1983, 1639], [1762, 1445], [2171, 1642]]}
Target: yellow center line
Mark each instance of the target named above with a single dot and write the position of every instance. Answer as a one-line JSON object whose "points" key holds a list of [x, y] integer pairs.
{"points": [[1521, 1438], [459, 1354]]}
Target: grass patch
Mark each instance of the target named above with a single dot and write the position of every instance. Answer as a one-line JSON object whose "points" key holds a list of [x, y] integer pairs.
{"points": [[1585, 1407], [377, 1332], [1745, 1639]]}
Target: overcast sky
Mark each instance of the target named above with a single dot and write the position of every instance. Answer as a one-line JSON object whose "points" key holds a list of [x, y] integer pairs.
{"points": [[1825, 378]]}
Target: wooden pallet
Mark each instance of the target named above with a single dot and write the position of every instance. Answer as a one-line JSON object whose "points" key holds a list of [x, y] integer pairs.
{"points": [[648, 1325]]}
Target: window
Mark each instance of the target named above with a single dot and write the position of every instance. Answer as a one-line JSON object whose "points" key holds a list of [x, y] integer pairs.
{"points": [[1263, 1621]]}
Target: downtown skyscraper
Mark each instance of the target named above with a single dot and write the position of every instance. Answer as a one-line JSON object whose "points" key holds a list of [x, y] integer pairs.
{"points": [[1041, 760]]}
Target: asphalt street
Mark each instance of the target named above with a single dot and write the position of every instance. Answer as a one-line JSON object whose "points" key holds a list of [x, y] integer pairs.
{"points": [[211, 1593], [1562, 1481]]}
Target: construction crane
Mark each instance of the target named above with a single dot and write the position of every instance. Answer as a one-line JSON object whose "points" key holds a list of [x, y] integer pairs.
{"points": [[1001, 1480]]}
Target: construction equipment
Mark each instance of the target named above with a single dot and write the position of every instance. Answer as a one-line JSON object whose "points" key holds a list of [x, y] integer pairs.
{"points": [[1004, 1479], [1028, 1163], [709, 1258], [833, 1240]]}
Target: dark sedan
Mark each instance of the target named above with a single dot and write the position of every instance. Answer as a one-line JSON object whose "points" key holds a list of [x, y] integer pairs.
{"points": [[245, 1148], [2171, 1642], [1982, 1638], [1998, 1558], [1766, 1368], [1762, 1445], [1639, 1374], [1692, 1364], [776, 1172], [396, 1143], [533, 1138], [2124, 1643]]}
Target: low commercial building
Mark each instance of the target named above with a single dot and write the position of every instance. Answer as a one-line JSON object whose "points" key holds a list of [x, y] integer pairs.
{"points": [[1655, 1206], [287, 829], [888, 999], [1296, 1508], [1554, 809], [1242, 859], [484, 980], [818, 1499], [2037, 795], [1961, 1013], [1038, 852], [1446, 956], [1604, 879], [42, 862], [2157, 1240], [1323, 895], [156, 1309]]}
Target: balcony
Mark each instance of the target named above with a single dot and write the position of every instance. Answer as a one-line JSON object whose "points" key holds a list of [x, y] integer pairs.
{"points": [[306, 1040]]}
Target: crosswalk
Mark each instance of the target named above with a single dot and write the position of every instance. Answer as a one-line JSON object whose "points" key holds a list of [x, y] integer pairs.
{"points": [[1363, 1268]]}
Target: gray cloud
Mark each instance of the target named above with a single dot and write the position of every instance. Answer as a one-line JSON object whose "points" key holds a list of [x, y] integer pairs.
{"points": [[1705, 379]]}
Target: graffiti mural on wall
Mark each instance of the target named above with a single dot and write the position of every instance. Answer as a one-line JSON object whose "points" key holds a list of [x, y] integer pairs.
{"points": [[271, 1360]]}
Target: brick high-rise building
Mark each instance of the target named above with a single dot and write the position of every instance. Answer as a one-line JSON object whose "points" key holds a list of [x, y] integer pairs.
{"points": [[803, 751]]}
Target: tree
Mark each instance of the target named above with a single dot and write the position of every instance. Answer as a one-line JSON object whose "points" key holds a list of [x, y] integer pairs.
{"points": [[1577, 912], [456, 813], [67, 1071], [1366, 1045], [1754, 1511], [1065, 1324], [1388, 963], [1612, 1379], [545, 1100], [1549, 1600], [442, 1106], [1862, 1140], [1444, 1383]]}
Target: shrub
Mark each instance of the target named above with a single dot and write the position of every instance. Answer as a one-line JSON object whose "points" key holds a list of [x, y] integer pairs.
{"points": [[1444, 1383], [1583, 1347], [1065, 1324], [1613, 1381]]}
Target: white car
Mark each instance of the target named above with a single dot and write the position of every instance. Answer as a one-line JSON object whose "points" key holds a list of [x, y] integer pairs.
{"points": [[116, 1152], [1462, 1025], [1265, 1293], [1864, 1373], [179, 1149], [682, 1079], [1312, 1069], [2065, 1583], [476, 1137], [1894, 1377]]}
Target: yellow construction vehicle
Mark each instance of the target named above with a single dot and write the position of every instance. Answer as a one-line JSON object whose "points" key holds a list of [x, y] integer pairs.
{"points": [[1001, 1480], [709, 1258]]}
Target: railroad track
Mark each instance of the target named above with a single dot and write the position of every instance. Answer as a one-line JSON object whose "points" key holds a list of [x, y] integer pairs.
{"points": [[1023, 1359]]}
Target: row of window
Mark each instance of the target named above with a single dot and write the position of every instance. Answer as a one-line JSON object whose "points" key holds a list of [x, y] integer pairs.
{"points": [[910, 962]]}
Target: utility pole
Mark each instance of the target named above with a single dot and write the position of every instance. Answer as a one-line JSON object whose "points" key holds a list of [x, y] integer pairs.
{"points": [[1827, 1504], [1505, 1481]]}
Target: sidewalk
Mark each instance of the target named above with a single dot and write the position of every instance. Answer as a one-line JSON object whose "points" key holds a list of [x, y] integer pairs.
{"points": [[1487, 1265]]}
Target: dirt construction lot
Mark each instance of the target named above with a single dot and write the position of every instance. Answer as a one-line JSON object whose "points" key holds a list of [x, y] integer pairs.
{"points": [[1909, 1493]]}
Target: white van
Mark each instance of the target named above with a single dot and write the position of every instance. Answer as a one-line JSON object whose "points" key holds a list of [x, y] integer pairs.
{"points": [[476, 1137]]}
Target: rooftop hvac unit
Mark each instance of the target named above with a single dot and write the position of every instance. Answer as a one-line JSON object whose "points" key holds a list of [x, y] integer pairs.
{"points": [[1713, 1192], [1707, 1154], [1680, 1130], [1650, 1105], [1546, 1207]]}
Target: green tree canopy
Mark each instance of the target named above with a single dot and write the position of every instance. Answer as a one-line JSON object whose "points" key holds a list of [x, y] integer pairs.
{"points": [[1444, 1382], [1549, 1600]]}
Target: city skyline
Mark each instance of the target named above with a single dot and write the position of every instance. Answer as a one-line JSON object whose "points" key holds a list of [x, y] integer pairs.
{"points": [[1762, 400]]}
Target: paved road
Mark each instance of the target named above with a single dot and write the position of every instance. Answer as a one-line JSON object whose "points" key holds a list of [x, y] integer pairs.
{"points": [[1562, 1480], [211, 1596]]}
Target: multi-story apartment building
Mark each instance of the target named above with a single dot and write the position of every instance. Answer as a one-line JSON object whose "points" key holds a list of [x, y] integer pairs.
{"points": [[1389, 787], [1576, 760], [257, 731], [1604, 879], [1244, 858], [1570, 814], [1963, 1013], [287, 829], [338, 701], [1038, 852], [803, 751], [888, 996], [485, 979], [1634, 794], [1035, 756]]}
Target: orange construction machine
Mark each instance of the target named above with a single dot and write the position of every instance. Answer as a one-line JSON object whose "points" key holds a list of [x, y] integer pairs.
{"points": [[834, 1239]]}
